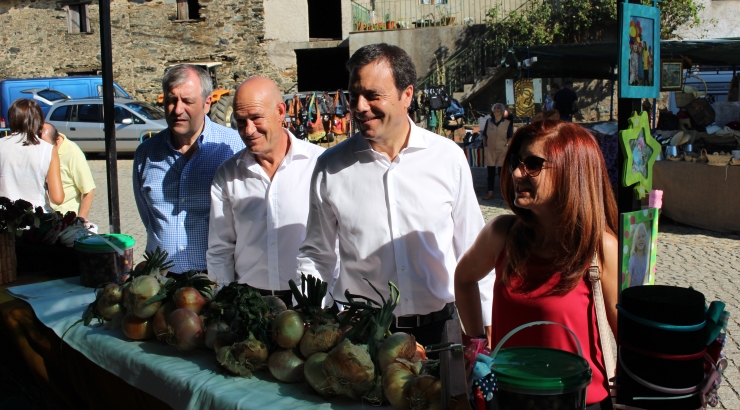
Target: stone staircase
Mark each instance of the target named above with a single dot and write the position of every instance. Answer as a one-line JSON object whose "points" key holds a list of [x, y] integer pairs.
{"points": [[471, 90]]}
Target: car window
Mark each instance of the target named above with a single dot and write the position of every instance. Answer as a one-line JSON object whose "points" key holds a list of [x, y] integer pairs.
{"points": [[89, 113], [116, 92], [60, 113], [120, 114], [52, 95], [146, 110]]}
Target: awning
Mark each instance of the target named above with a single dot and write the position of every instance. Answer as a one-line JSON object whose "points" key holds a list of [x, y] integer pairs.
{"points": [[597, 60]]}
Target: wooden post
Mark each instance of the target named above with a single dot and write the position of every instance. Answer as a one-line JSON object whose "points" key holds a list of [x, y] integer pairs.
{"points": [[452, 368]]}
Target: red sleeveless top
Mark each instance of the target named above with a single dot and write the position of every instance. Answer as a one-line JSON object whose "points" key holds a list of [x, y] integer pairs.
{"points": [[575, 310]]}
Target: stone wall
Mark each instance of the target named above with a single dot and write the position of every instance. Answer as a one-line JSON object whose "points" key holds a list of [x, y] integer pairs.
{"points": [[146, 39]]}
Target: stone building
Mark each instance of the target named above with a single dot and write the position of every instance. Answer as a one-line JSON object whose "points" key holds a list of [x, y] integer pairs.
{"points": [[56, 38]]}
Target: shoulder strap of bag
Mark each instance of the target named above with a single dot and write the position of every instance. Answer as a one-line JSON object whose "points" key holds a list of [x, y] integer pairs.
{"points": [[602, 323]]}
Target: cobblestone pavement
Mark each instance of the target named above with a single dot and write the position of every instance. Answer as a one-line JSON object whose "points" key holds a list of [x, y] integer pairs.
{"points": [[687, 256]]}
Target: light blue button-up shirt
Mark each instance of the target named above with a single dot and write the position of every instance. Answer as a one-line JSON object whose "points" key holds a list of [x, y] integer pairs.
{"points": [[173, 194]]}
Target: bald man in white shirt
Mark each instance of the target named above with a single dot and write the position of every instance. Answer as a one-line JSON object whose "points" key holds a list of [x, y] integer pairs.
{"points": [[259, 197], [399, 199]]}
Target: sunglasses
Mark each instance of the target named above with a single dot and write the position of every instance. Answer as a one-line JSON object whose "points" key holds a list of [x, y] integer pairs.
{"points": [[533, 165]]}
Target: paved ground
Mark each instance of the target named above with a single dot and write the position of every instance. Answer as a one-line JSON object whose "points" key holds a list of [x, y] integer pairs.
{"points": [[686, 256]]}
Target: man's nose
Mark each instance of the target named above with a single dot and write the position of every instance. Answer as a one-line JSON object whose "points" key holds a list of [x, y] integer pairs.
{"points": [[248, 127], [360, 104]]}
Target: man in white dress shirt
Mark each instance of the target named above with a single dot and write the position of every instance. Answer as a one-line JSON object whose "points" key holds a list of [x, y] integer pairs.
{"points": [[259, 197], [399, 199]]}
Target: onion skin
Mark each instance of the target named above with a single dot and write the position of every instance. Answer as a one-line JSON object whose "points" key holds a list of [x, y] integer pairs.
{"points": [[275, 304], [398, 345], [320, 339], [185, 329], [159, 320], [288, 329], [140, 290], [397, 379], [189, 298], [350, 370], [421, 353], [136, 328], [107, 312], [244, 357], [286, 366], [313, 371], [425, 393]]}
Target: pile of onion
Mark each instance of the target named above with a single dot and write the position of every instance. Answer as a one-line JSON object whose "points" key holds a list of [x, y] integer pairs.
{"points": [[398, 345], [109, 301], [286, 366], [244, 357], [350, 370], [320, 339], [184, 329], [405, 389], [288, 329]]}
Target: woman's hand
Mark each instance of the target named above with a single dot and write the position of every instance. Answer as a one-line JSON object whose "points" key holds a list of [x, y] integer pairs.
{"points": [[478, 262]]}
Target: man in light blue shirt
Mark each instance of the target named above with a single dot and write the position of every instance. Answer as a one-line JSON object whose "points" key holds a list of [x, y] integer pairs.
{"points": [[174, 169]]}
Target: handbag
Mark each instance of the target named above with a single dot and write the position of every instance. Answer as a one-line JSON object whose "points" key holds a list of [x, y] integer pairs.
{"points": [[340, 108], [315, 127], [603, 325]]}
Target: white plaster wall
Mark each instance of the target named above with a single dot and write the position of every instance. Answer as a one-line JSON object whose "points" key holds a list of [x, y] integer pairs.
{"points": [[286, 20], [346, 18], [720, 18]]}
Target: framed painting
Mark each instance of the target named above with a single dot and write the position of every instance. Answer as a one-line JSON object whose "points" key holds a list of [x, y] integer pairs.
{"points": [[640, 151], [639, 51], [639, 246], [671, 75]]}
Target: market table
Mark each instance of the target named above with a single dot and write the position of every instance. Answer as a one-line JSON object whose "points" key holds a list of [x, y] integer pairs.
{"points": [[97, 368], [700, 195]]}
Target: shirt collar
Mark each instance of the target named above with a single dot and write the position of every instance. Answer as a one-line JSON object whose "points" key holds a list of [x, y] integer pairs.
{"points": [[416, 139], [63, 147], [296, 151], [201, 138]]}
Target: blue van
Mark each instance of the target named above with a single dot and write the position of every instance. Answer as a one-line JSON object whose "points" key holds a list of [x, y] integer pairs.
{"points": [[74, 87]]}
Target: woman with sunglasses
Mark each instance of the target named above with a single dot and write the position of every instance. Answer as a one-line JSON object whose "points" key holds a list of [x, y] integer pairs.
{"points": [[496, 134], [554, 180]]}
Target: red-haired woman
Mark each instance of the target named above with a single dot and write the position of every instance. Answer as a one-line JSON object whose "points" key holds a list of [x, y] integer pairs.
{"points": [[28, 163], [555, 181]]}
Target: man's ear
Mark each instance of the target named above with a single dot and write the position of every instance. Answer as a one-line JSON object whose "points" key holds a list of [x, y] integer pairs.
{"points": [[407, 95], [208, 102]]}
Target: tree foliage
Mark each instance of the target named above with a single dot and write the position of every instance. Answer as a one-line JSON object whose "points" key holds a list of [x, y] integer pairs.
{"points": [[577, 21]]}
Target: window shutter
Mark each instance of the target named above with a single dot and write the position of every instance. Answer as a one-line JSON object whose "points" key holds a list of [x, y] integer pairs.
{"points": [[88, 29], [182, 10]]}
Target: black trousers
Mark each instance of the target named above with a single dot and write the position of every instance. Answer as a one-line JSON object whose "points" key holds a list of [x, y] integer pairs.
{"points": [[491, 177], [605, 404]]}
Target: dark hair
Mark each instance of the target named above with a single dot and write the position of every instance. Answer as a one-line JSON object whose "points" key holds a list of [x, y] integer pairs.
{"points": [[555, 85], [178, 74], [568, 82], [404, 71], [25, 117], [584, 200]]}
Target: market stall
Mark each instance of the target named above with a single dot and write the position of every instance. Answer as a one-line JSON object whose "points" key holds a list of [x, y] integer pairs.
{"points": [[699, 195]]}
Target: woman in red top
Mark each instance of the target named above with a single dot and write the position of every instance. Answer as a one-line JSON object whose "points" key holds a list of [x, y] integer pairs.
{"points": [[555, 180]]}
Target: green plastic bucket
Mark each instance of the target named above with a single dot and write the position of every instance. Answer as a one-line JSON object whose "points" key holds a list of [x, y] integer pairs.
{"points": [[539, 378]]}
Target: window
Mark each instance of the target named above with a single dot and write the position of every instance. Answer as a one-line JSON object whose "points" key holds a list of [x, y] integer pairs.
{"points": [[52, 95], [60, 114], [78, 20], [89, 113], [120, 114], [146, 110], [116, 92], [188, 10]]}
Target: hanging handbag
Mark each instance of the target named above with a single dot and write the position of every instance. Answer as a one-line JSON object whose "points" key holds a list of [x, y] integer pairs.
{"points": [[315, 126], [339, 108], [299, 122], [603, 325]]}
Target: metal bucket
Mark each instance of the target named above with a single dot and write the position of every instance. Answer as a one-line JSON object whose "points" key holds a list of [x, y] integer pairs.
{"points": [[671, 151], [687, 148]]}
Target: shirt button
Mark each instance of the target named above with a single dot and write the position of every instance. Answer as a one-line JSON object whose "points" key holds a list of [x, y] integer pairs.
{"points": [[406, 300], [403, 268], [182, 248], [184, 177], [182, 200], [182, 223]]}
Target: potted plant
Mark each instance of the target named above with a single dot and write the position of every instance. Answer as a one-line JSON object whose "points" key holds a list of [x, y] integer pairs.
{"points": [[389, 24], [447, 18]]}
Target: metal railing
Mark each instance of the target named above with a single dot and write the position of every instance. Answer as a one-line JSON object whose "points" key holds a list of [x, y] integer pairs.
{"points": [[472, 60], [400, 14]]}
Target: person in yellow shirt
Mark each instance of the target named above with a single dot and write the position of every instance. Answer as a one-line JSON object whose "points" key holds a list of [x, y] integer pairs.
{"points": [[645, 65], [77, 180]]}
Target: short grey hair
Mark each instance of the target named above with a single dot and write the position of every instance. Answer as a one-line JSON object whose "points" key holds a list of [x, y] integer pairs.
{"points": [[177, 75], [498, 105]]}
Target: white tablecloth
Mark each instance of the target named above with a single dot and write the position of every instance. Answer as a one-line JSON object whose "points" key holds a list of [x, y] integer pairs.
{"points": [[184, 380]]}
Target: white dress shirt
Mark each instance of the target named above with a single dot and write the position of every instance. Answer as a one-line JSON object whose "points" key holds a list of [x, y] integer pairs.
{"points": [[407, 221], [256, 225]]}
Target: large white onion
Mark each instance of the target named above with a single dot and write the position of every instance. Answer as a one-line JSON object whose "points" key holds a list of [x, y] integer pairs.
{"points": [[140, 290], [288, 329], [286, 366], [350, 370], [313, 370]]}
